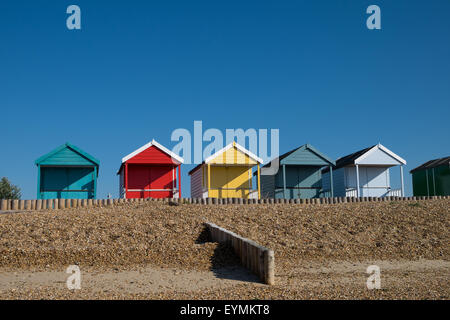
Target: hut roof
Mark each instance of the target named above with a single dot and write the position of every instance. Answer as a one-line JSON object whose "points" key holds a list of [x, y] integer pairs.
{"points": [[355, 157], [174, 157], [150, 144], [432, 164], [67, 154], [223, 150], [306, 147]]}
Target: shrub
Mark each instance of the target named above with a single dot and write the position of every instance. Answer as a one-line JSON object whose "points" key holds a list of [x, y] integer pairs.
{"points": [[8, 190]]}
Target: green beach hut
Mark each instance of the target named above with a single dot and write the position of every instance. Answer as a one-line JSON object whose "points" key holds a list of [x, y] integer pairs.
{"points": [[432, 178], [67, 173]]}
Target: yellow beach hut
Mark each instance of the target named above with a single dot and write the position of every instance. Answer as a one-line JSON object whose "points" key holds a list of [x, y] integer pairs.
{"points": [[227, 174]]}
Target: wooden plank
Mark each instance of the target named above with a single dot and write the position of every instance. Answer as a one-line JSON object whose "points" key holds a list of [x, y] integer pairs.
{"points": [[252, 256]]}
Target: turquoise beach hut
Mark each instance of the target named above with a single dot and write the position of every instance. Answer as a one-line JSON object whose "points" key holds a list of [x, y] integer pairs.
{"points": [[296, 174], [67, 173]]}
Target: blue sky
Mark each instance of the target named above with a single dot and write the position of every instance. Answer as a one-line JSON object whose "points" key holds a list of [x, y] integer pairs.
{"points": [[140, 69]]}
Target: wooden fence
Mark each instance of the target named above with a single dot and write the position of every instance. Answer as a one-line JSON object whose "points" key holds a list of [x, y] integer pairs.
{"points": [[258, 259], [52, 204]]}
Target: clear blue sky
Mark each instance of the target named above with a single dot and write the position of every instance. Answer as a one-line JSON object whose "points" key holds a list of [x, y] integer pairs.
{"points": [[140, 69]]}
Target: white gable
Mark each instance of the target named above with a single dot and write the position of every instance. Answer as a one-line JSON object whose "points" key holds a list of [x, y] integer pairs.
{"points": [[380, 155]]}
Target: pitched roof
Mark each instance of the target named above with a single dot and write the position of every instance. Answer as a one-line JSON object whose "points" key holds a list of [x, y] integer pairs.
{"points": [[304, 147], [229, 146], [148, 145], [239, 147], [350, 159], [353, 158], [196, 167], [73, 148], [432, 164]]}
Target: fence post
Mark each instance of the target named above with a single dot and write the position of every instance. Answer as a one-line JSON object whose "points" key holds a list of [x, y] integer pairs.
{"points": [[269, 267], [38, 204], [3, 205], [14, 204]]}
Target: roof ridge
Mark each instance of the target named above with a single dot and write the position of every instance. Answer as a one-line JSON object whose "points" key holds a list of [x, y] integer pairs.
{"points": [[72, 147], [432, 164]]}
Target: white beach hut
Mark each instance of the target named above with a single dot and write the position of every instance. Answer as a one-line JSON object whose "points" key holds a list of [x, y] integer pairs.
{"points": [[365, 173]]}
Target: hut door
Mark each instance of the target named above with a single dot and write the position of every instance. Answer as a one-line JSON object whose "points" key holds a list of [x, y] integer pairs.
{"points": [[238, 182], [291, 183], [309, 182], [67, 183], [138, 181], [53, 182], [80, 183], [218, 182], [162, 177]]}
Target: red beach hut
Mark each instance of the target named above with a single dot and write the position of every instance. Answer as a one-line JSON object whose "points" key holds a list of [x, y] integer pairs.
{"points": [[152, 171]]}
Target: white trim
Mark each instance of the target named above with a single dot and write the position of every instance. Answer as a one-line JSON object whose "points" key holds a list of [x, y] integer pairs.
{"points": [[148, 145], [382, 148], [389, 152], [357, 181], [402, 184], [239, 147]]}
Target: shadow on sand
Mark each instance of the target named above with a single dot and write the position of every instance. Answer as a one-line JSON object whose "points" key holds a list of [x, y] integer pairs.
{"points": [[225, 264]]}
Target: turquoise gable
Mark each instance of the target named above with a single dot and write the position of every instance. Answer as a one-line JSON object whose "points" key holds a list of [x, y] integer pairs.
{"points": [[306, 155], [67, 154]]}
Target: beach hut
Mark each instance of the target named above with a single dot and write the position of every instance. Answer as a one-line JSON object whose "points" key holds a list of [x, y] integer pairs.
{"points": [[365, 173], [67, 173], [152, 171], [295, 175], [432, 178], [226, 174]]}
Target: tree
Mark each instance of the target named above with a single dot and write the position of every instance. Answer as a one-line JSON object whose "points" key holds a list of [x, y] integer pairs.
{"points": [[8, 190]]}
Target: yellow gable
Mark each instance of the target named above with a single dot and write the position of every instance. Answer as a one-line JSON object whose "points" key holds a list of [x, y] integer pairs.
{"points": [[233, 156]]}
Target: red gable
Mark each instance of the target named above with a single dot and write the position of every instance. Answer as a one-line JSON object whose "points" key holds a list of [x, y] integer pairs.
{"points": [[152, 155]]}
